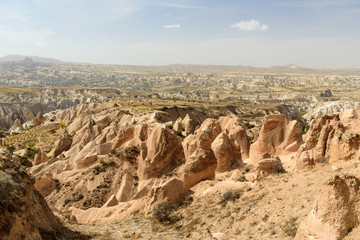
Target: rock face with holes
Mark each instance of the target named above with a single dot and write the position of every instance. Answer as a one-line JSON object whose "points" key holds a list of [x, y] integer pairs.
{"points": [[277, 136], [336, 212], [331, 138]]}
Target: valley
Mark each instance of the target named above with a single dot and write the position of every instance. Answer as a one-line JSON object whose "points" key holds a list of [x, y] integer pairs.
{"points": [[178, 152]]}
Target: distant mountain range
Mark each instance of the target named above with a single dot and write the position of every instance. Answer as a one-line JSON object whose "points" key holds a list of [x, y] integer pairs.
{"points": [[17, 58], [249, 69], [197, 67]]}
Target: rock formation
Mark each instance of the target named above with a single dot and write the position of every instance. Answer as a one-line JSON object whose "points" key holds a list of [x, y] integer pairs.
{"points": [[331, 138], [216, 146], [40, 157], [326, 93], [63, 144], [324, 108], [24, 212], [277, 136], [39, 119], [111, 159], [336, 212], [268, 165], [159, 152], [17, 126]]}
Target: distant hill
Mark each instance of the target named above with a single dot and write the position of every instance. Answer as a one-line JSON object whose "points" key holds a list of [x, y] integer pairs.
{"points": [[246, 69], [288, 69], [17, 58]]}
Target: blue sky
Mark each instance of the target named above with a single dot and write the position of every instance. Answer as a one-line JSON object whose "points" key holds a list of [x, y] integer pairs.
{"points": [[308, 33]]}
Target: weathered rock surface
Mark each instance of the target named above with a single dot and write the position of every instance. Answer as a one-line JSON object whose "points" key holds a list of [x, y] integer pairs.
{"points": [[110, 160], [40, 157], [16, 127], [336, 212], [326, 108], [223, 152], [268, 165], [216, 145], [277, 136], [24, 212], [39, 119], [159, 152], [331, 138], [166, 192], [63, 144]]}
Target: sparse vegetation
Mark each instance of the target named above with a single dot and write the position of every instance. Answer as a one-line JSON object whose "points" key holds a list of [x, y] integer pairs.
{"points": [[261, 204], [230, 195], [187, 200], [162, 213], [62, 124], [30, 152], [31, 144], [249, 125], [25, 161], [129, 154], [289, 227], [7, 189], [179, 134], [278, 168]]}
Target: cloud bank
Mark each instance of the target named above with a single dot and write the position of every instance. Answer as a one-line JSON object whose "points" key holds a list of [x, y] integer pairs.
{"points": [[251, 25]]}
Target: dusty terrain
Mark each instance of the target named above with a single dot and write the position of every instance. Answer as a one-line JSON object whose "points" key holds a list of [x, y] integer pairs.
{"points": [[173, 162], [105, 172]]}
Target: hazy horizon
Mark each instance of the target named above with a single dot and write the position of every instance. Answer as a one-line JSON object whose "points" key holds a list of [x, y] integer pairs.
{"points": [[310, 34]]}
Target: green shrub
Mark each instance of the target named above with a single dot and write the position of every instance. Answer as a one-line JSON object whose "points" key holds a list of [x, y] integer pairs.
{"points": [[169, 126], [62, 124], [31, 144], [12, 148], [179, 134], [304, 127], [25, 161]]}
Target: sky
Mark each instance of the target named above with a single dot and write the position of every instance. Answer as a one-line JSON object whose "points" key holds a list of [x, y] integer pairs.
{"points": [[260, 33]]}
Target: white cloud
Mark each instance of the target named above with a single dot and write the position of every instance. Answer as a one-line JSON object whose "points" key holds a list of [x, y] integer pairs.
{"points": [[250, 25], [172, 26]]}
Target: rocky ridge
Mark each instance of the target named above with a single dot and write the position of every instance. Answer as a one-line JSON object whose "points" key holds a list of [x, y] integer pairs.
{"points": [[24, 212], [109, 164]]}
